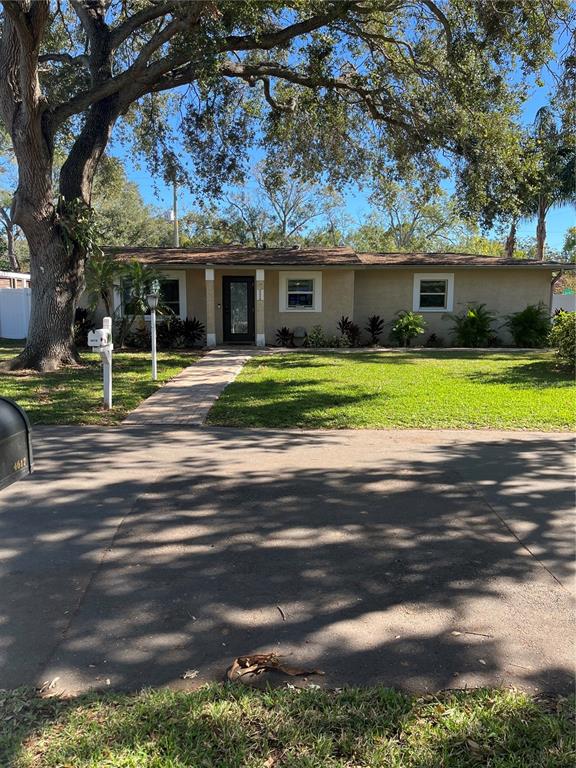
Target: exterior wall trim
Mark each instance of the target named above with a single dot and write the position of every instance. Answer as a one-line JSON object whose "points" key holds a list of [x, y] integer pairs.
{"points": [[283, 289], [418, 277]]}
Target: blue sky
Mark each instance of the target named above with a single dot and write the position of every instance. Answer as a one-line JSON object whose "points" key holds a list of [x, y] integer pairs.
{"points": [[357, 206], [558, 221]]}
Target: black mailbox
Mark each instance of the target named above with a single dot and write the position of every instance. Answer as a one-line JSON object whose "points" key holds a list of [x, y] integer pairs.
{"points": [[15, 443]]}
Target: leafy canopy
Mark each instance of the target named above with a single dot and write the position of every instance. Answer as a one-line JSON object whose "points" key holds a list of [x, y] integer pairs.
{"points": [[336, 87]]}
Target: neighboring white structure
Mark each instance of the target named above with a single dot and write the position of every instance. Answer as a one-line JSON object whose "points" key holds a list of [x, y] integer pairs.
{"points": [[14, 305], [565, 301]]}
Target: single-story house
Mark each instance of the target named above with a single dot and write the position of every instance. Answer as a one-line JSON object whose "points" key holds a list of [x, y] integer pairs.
{"points": [[244, 295]]}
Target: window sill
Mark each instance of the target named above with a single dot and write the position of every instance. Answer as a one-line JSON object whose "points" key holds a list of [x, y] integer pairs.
{"points": [[299, 311]]}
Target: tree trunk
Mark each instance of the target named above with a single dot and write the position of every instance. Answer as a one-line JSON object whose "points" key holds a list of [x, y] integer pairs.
{"points": [[541, 229], [55, 282], [12, 258], [511, 240]]}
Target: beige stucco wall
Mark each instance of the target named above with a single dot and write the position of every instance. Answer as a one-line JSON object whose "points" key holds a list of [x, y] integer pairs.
{"points": [[337, 300], [196, 294], [385, 292]]}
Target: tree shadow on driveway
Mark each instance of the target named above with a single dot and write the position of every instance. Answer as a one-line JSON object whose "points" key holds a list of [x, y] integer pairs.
{"points": [[418, 561]]}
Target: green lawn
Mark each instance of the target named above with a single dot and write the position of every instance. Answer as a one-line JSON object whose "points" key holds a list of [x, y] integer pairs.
{"points": [[235, 727], [74, 395], [416, 389]]}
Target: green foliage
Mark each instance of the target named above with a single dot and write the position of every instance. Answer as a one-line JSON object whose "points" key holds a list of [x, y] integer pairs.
{"points": [[344, 324], [123, 218], [473, 326], [569, 250], [316, 338], [529, 327], [563, 337], [408, 326], [222, 725], [284, 337], [102, 272], [138, 279], [83, 323], [375, 328], [349, 332], [174, 333], [79, 225]]}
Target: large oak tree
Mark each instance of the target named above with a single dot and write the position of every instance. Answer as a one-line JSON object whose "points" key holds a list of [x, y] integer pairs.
{"points": [[332, 85]]}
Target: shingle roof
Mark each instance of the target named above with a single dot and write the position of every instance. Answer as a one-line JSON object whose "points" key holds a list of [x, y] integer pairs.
{"points": [[342, 256]]}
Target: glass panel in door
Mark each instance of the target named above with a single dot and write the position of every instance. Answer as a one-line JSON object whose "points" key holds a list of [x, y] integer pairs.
{"points": [[239, 308]]}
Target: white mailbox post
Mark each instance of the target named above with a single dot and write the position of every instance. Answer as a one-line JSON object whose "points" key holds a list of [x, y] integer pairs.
{"points": [[101, 341]]}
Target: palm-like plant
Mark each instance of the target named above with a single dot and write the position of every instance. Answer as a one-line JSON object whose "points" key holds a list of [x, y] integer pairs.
{"points": [[473, 327], [137, 281], [375, 328], [103, 271], [556, 179]]}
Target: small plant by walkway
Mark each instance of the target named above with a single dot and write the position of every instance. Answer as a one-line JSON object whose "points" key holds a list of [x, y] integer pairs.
{"points": [[219, 726], [465, 389], [73, 395]]}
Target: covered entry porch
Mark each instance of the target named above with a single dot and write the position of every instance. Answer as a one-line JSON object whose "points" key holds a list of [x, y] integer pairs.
{"points": [[234, 306]]}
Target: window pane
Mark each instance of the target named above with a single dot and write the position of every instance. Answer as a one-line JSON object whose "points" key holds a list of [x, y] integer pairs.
{"points": [[433, 300], [433, 286], [300, 300], [170, 293], [239, 308], [301, 285]]}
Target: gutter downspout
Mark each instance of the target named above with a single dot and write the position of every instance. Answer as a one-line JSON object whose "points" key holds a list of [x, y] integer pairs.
{"points": [[552, 284]]}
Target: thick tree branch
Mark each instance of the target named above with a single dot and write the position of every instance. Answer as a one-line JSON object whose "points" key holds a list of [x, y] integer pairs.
{"points": [[153, 78], [63, 58], [140, 19]]}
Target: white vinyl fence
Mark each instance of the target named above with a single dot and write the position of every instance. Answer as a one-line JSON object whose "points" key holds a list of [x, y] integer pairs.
{"points": [[14, 312], [565, 301]]}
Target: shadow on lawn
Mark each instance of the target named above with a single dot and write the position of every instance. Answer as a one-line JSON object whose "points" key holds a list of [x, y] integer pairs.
{"points": [[275, 402], [134, 580], [235, 726], [540, 374]]}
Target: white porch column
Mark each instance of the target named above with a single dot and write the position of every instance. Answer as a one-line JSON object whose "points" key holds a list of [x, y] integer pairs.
{"points": [[260, 326], [210, 308]]}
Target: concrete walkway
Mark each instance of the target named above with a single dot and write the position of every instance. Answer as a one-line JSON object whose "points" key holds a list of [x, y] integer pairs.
{"points": [[186, 399]]}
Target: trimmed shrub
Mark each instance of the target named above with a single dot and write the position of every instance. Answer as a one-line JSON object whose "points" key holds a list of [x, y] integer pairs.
{"points": [[316, 338], [473, 327], [563, 337], [408, 326], [529, 327]]}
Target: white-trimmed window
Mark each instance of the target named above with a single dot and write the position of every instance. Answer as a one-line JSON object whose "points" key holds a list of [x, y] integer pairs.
{"points": [[300, 292], [172, 291], [433, 292]]}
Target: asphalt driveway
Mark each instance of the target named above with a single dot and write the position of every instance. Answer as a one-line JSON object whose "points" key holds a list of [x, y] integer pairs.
{"points": [[421, 560]]}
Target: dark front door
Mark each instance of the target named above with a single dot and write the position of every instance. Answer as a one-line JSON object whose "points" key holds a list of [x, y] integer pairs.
{"points": [[238, 308]]}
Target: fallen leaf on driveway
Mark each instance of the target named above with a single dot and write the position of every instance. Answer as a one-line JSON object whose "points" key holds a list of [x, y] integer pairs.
{"points": [[257, 663]]}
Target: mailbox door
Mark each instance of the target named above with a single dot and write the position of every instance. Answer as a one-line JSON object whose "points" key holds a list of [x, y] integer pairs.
{"points": [[15, 443]]}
